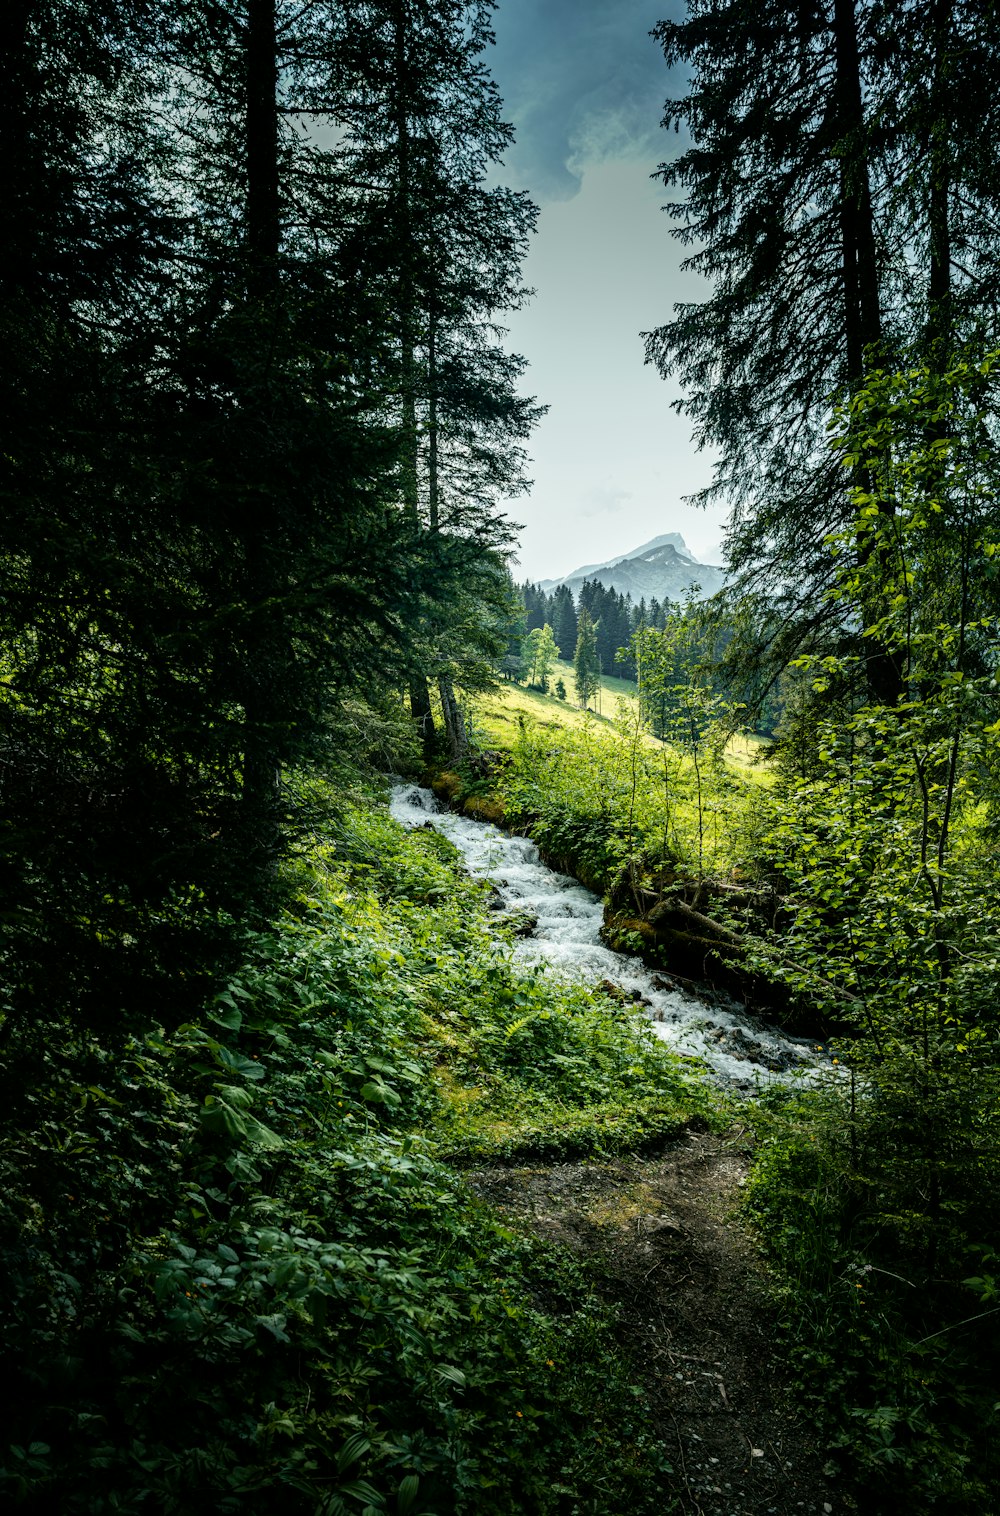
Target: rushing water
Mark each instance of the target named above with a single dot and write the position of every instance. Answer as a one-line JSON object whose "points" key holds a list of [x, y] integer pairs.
{"points": [[567, 918]]}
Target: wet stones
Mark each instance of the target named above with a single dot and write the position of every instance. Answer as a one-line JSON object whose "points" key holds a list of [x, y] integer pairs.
{"points": [[622, 996], [746, 1049]]}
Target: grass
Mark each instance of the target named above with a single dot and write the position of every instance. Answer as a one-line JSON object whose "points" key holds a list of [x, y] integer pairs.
{"points": [[496, 718]]}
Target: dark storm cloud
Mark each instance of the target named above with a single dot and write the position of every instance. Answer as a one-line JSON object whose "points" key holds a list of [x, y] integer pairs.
{"points": [[581, 80]]}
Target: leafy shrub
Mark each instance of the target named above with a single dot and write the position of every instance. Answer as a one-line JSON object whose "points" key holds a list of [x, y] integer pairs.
{"points": [[892, 1333]]}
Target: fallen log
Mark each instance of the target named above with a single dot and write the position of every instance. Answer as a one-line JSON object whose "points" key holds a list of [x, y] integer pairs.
{"points": [[661, 912]]}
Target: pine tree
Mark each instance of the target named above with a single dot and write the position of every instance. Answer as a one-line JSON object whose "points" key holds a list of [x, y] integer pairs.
{"points": [[837, 164], [421, 132], [536, 606], [513, 633], [564, 621], [586, 662]]}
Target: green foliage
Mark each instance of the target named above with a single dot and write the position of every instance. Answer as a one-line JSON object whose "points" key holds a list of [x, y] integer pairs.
{"points": [[238, 1278], [539, 655], [883, 850], [605, 801], [865, 882], [794, 203], [528, 1064], [209, 552], [542, 1070], [881, 853], [586, 666], [895, 1361]]}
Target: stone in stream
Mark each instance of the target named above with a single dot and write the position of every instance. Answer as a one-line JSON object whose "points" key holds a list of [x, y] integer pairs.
{"points": [[622, 996]]}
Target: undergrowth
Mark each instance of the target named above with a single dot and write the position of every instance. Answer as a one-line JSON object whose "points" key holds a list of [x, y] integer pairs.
{"points": [[888, 1313], [878, 1200], [242, 1275]]}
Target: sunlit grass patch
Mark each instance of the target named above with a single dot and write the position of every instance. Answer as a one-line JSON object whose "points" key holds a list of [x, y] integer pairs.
{"points": [[513, 1127]]}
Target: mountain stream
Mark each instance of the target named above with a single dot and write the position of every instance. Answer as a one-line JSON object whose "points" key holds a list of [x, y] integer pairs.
{"points": [[565, 920]]}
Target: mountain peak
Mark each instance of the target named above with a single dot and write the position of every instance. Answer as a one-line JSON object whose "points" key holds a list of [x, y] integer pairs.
{"points": [[663, 569]]}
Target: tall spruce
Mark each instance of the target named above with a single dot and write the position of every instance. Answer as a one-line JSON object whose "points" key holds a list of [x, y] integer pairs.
{"points": [[831, 164], [586, 662], [564, 621], [450, 247]]}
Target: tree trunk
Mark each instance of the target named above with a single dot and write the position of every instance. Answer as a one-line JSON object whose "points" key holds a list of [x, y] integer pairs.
{"points": [[862, 303], [423, 716], [420, 705], [261, 673], [263, 216], [406, 293], [939, 321], [433, 485], [454, 721]]}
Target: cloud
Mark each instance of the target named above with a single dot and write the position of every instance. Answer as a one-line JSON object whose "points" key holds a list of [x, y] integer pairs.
{"points": [[582, 81], [603, 501]]}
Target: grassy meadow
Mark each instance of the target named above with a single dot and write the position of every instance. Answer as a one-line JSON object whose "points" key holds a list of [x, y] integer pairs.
{"points": [[495, 718]]}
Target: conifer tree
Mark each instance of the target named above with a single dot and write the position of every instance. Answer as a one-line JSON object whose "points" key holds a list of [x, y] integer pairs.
{"points": [[564, 621], [536, 606], [586, 663], [837, 193], [450, 248]]}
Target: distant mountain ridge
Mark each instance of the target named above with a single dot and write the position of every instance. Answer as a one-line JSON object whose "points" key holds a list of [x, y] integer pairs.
{"points": [[662, 569]]}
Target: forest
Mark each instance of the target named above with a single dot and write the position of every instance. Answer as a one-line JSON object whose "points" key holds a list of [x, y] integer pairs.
{"points": [[265, 1053]]}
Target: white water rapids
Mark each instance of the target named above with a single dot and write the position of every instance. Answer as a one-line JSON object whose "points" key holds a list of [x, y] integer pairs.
{"points": [[739, 1051]]}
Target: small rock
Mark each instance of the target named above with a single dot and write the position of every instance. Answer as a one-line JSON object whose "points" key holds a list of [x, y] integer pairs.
{"points": [[660, 1224], [613, 991]]}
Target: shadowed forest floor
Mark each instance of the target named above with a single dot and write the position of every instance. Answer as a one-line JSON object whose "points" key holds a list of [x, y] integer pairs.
{"points": [[690, 1292]]}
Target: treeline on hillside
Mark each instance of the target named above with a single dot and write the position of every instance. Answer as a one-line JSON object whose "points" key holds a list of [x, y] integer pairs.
{"points": [[666, 647], [615, 618], [258, 424]]}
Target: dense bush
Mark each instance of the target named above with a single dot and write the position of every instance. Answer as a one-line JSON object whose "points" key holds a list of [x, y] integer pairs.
{"points": [[888, 1308]]}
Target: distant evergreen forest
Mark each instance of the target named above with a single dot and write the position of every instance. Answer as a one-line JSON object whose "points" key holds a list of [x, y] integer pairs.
{"points": [[616, 620], [695, 637]]}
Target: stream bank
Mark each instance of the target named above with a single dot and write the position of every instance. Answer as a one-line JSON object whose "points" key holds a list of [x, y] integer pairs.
{"points": [[673, 927], [684, 1280], [564, 928], [697, 1016]]}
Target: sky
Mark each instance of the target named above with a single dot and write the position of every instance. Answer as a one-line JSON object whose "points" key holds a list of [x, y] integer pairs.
{"points": [[584, 85]]}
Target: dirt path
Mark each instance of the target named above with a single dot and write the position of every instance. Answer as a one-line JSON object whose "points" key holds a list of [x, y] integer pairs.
{"points": [[690, 1291]]}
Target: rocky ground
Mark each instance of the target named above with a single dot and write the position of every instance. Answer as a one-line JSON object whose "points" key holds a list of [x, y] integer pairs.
{"points": [[691, 1293]]}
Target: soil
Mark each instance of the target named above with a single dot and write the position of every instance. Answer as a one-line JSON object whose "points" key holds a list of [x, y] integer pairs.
{"points": [[690, 1292]]}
